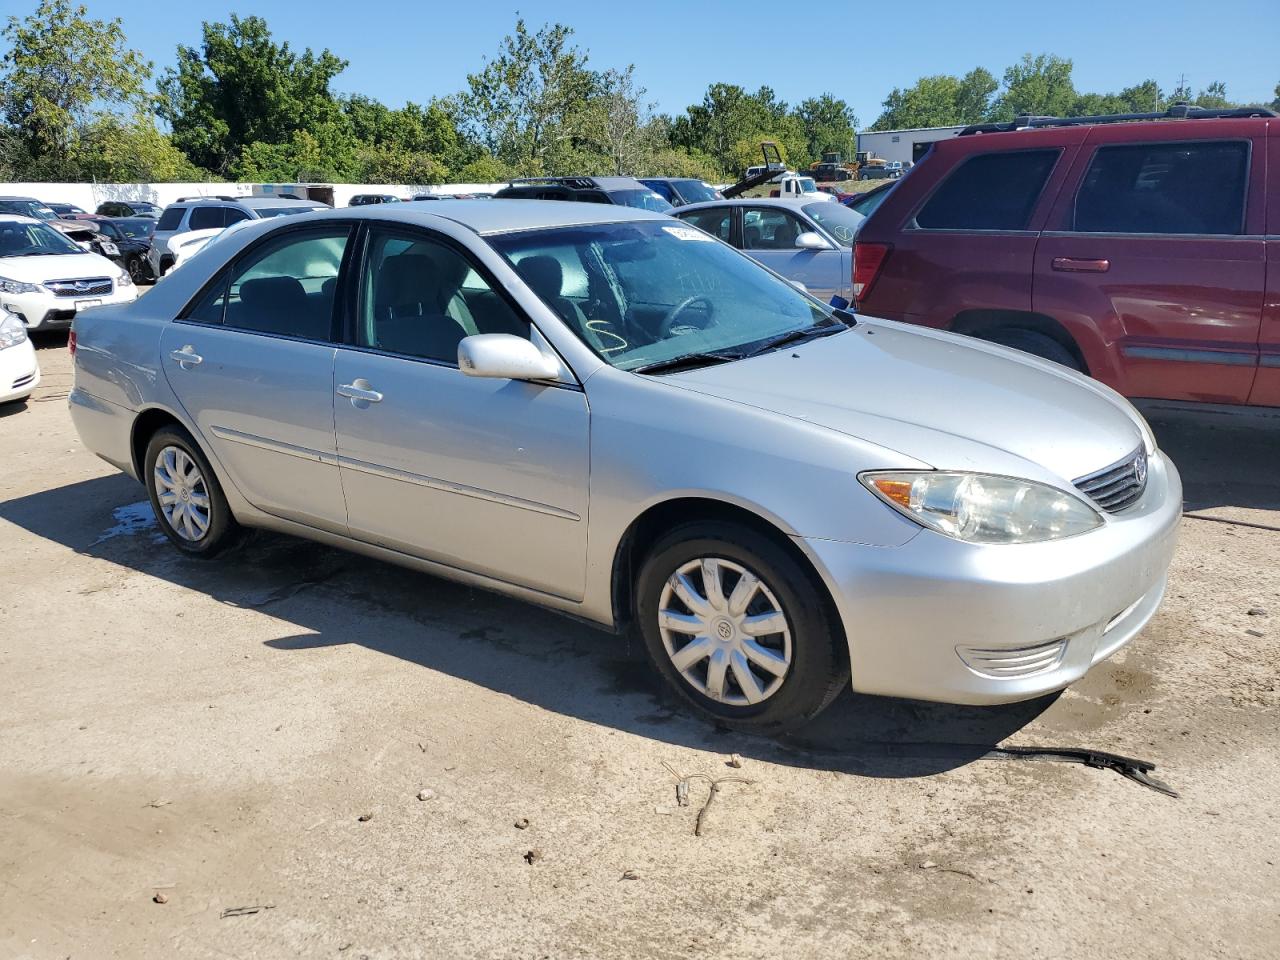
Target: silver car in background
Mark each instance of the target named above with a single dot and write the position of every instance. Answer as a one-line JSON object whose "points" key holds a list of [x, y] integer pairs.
{"points": [[610, 413], [810, 243]]}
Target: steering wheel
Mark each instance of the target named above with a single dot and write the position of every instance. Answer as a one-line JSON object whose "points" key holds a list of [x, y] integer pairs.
{"points": [[669, 321]]}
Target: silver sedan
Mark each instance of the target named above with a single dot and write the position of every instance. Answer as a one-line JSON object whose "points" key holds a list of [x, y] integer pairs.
{"points": [[808, 242], [615, 415]]}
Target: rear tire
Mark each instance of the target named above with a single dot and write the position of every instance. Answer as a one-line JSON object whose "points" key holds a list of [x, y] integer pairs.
{"points": [[715, 644], [1035, 343], [185, 494]]}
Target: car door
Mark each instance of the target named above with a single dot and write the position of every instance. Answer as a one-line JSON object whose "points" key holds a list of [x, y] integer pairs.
{"points": [[769, 236], [1266, 386], [1159, 249], [484, 475], [251, 362]]}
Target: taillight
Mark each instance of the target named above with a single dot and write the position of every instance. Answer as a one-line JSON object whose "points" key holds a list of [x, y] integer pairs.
{"points": [[71, 342], [868, 258]]}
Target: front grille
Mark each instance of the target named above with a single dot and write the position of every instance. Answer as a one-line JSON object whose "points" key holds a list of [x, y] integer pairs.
{"points": [[1011, 663], [1119, 485], [93, 287]]}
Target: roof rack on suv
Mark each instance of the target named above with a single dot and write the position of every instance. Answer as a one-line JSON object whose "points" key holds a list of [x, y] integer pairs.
{"points": [[578, 183], [218, 197], [1179, 111]]}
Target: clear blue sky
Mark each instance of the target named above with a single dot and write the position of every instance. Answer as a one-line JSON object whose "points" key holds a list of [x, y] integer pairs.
{"points": [[415, 49]]}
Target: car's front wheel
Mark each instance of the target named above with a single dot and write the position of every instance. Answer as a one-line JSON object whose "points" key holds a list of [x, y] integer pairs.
{"points": [[739, 627], [185, 495]]}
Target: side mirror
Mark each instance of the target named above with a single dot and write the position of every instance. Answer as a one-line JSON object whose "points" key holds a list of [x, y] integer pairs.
{"points": [[812, 241], [505, 357]]}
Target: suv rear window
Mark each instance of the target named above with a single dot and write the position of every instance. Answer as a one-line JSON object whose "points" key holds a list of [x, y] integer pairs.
{"points": [[171, 217], [1195, 188], [990, 191]]}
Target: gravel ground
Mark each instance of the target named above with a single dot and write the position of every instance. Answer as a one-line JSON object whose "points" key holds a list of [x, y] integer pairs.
{"points": [[255, 732]]}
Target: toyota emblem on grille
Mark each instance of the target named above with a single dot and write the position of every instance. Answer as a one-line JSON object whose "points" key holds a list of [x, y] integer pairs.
{"points": [[1140, 469]]}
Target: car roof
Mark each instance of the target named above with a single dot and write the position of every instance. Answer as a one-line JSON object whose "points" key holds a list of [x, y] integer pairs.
{"points": [[501, 216], [789, 203], [253, 203]]}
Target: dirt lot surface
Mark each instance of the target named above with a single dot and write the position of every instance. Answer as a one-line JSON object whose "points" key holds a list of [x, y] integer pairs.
{"points": [[255, 732]]}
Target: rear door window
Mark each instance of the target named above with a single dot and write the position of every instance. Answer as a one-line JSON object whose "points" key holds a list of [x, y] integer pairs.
{"points": [[990, 191], [171, 218], [1182, 188], [208, 218], [717, 222]]}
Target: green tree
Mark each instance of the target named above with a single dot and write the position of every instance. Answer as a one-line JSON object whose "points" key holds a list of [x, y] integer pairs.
{"points": [[1037, 86], [1214, 97], [929, 102], [620, 125], [62, 70], [974, 96], [323, 153], [112, 150], [241, 89], [1275, 104], [527, 105], [730, 123], [829, 124]]}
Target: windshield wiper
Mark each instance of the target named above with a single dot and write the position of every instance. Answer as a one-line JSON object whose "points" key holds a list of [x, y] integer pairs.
{"points": [[798, 336], [687, 361]]}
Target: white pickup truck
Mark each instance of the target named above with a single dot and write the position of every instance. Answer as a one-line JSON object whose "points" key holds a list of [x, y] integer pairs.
{"points": [[792, 186]]}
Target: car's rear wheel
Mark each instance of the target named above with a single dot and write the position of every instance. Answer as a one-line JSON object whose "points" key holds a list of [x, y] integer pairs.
{"points": [[185, 495], [1033, 342], [739, 627]]}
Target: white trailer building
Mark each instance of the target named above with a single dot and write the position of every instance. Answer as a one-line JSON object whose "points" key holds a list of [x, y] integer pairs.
{"points": [[905, 145]]}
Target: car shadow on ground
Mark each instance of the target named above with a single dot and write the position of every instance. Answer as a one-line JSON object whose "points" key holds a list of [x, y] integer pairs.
{"points": [[1226, 459], [334, 597]]}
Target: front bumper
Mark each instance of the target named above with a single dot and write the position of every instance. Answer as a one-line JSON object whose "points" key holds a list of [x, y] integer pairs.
{"points": [[938, 619], [43, 310], [19, 372]]}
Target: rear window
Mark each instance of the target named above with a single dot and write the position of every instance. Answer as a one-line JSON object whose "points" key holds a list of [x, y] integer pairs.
{"points": [[171, 217], [1195, 188], [990, 191]]}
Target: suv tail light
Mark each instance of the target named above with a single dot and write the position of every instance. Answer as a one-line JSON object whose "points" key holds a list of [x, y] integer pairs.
{"points": [[868, 258], [71, 342]]}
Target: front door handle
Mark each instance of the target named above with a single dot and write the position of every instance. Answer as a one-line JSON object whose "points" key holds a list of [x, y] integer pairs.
{"points": [[359, 392], [1080, 265], [187, 357]]}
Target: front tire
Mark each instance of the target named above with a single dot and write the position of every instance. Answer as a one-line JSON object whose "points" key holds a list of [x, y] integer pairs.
{"points": [[185, 494], [740, 628], [1035, 343]]}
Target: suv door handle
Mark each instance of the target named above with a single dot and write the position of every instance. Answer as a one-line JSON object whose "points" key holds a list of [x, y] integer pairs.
{"points": [[186, 357], [1079, 265], [358, 391]]}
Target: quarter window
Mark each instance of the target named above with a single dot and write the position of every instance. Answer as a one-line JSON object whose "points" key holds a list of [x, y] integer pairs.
{"points": [[420, 298], [171, 218], [207, 218], [990, 191], [1187, 188]]}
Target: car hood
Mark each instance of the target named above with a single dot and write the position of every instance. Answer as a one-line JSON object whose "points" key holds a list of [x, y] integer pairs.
{"points": [[942, 399], [66, 266]]}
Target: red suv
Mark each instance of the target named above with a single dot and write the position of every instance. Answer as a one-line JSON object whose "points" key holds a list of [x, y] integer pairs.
{"points": [[1143, 249]]}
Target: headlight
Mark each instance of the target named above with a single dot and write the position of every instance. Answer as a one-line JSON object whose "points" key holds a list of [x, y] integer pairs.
{"points": [[123, 279], [12, 332], [979, 508], [18, 286]]}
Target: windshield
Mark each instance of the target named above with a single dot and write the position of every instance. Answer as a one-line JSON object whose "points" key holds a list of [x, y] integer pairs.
{"points": [[140, 228], [286, 211], [27, 208], [644, 199], [33, 240], [695, 191], [642, 293], [837, 219]]}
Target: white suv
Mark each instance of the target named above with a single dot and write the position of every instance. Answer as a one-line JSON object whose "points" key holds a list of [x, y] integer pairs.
{"points": [[214, 213], [46, 278]]}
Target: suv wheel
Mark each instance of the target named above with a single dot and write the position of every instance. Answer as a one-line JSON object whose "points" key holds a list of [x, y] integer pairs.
{"points": [[739, 628], [185, 495], [1037, 344]]}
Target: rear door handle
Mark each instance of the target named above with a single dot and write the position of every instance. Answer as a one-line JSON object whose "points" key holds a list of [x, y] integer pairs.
{"points": [[187, 356], [1079, 265], [359, 391]]}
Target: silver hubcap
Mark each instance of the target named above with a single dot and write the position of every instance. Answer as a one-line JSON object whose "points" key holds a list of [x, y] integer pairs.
{"points": [[725, 631], [183, 496]]}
